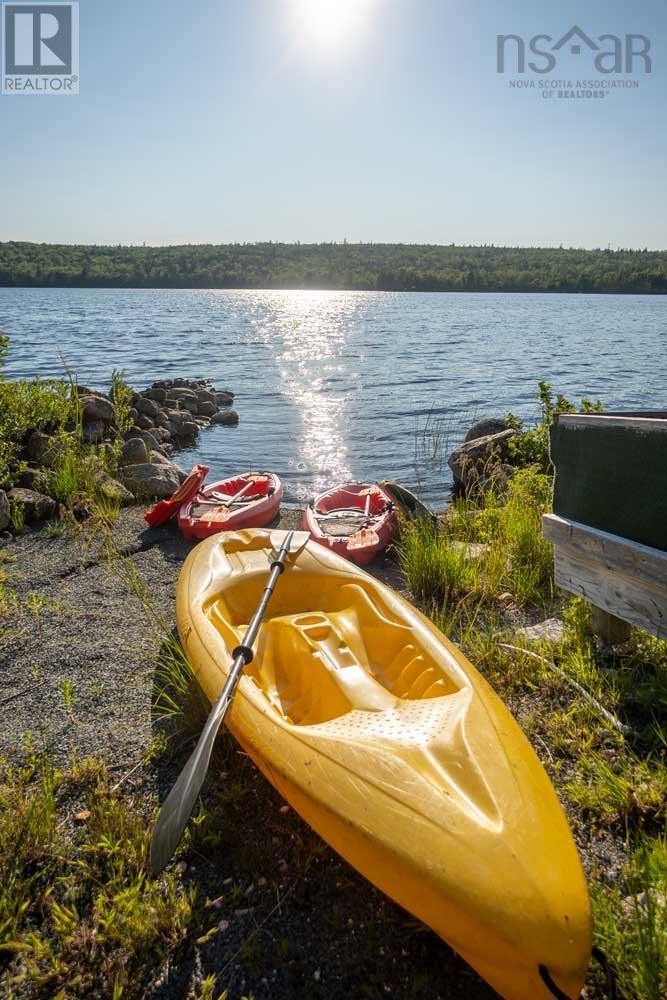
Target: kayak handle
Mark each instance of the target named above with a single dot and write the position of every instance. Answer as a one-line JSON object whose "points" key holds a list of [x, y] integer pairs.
{"points": [[602, 961]]}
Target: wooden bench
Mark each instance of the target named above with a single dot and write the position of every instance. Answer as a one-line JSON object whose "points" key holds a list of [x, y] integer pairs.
{"points": [[609, 526]]}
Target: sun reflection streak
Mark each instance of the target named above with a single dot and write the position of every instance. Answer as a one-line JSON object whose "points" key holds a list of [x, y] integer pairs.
{"points": [[314, 334]]}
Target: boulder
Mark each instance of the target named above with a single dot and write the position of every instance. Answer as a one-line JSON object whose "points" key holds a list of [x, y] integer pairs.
{"points": [[32, 478], [163, 434], [186, 431], [205, 396], [42, 449], [191, 404], [149, 480], [113, 490], [5, 511], [97, 407], [157, 393], [485, 428], [94, 431], [36, 506], [227, 418], [133, 414], [207, 409], [145, 423], [224, 398], [148, 407], [133, 452], [551, 630], [149, 439], [473, 461]]}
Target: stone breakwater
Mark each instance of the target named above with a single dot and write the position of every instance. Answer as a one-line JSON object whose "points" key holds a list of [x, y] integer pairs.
{"points": [[123, 441]]}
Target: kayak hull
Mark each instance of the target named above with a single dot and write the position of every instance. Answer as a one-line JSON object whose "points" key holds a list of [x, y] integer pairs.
{"points": [[259, 503], [335, 506], [390, 745], [163, 510]]}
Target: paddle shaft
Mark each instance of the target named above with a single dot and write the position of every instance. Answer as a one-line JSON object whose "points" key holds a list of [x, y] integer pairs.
{"points": [[180, 802]]}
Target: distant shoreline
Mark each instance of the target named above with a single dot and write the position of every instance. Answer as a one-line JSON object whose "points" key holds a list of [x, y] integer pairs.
{"points": [[367, 267], [302, 288]]}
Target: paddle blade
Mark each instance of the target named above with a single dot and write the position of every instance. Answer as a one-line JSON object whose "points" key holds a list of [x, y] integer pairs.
{"points": [[298, 542], [177, 807]]}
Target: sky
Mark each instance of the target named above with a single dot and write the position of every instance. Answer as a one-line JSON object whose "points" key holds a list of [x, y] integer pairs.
{"points": [[216, 121]]}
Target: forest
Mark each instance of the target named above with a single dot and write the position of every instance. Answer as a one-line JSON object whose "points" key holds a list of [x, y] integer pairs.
{"points": [[355, 266]]}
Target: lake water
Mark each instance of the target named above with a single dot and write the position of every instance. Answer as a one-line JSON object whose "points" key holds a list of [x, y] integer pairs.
{"points": [[347, 385]]}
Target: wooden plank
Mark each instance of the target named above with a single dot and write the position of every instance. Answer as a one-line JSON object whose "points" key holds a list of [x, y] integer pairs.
{"points": [[602, 420], [611, 629], [610, 551], [629, 598]]}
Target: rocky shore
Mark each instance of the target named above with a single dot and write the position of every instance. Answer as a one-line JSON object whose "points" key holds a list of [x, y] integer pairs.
{"points": [[139, 431]]}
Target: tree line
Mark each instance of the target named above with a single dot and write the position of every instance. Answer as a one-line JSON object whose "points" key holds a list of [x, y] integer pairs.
{"points": [[355, 266]]}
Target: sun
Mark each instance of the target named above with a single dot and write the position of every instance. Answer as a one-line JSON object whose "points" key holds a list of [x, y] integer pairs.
{"points": [[331, 22]]}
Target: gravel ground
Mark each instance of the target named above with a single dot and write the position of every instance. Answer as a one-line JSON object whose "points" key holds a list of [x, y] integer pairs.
{"points": [[291, 919]]}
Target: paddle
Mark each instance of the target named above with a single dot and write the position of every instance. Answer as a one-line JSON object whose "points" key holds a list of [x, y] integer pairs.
{"points": [[178, 805]]}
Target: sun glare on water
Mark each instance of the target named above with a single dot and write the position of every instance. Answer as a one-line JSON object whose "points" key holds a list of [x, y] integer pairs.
{"points": [[332, 22]]}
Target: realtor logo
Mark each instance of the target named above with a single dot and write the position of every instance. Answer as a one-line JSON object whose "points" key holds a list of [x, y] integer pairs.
{"points": [[40, 49]]}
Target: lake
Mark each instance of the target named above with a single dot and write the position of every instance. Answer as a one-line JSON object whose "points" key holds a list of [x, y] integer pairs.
{"points": [[347, 385]]}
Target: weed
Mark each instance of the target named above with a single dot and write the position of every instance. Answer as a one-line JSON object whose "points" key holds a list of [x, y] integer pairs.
{"points": [[17, 514], [80, 914], [67, 691], [631, 921]]}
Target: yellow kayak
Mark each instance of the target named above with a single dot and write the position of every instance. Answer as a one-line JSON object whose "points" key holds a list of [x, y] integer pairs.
{"points": [[387, 741]]}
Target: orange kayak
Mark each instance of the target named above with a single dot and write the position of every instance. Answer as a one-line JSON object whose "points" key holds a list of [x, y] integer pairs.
{"points": [[355, 520], [250, 500]]}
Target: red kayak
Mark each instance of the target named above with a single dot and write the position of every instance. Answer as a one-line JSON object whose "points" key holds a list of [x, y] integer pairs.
{"points": [[356, 520], [160, 512], [251, 500]]}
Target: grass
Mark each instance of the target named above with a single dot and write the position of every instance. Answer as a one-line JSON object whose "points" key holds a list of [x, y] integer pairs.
{"points": [[515, 557], [78, 911], [614, 784]]}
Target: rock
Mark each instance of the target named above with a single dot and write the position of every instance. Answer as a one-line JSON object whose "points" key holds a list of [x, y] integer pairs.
{"points": [[133, 414], [145, 423], [149, 480], [32, 478], [224, 398], [163, 434], [93, 431], [485, 428], [473, 461], [228, 418], [133, 452], [186, 430], [84, 390], [205, 396], [149, 439], [161, 384], [190, 404], [148, 407], [471, 550], [113, 490], [157, 393], [36, 506], [41, 448], [5, 511], [97, 407], [207, 409], [551, 630], [165, 462]]}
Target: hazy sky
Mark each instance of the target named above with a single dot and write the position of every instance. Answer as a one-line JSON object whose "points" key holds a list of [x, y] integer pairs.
{"points": [[383, 120]]}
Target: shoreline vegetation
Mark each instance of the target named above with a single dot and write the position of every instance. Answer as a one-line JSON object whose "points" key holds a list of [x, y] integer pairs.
{"points": [[335, 266], [100, 711]]}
